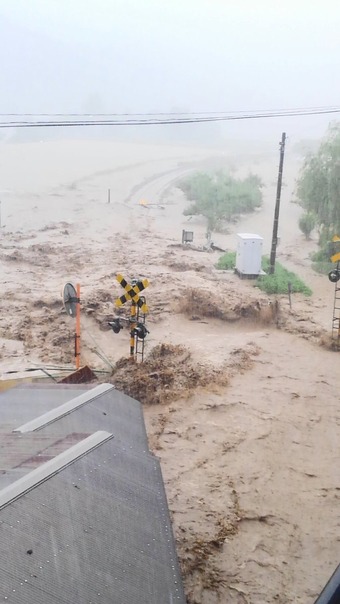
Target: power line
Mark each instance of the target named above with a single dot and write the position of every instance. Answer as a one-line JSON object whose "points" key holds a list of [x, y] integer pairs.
{"points": [[298, 110], [152, 121]]}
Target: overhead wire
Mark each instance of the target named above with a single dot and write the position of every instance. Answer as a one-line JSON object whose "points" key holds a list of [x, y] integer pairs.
{"points": [[158, 118], [175, 113], [97, 349]]}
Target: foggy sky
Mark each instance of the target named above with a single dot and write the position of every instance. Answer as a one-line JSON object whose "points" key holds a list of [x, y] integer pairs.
{"points": [[153, 55]]}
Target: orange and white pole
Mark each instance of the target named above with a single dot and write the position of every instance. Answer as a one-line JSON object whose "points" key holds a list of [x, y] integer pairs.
{"points": [[77, 347]]}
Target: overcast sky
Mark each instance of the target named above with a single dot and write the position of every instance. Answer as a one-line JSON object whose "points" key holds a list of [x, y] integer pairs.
{"points": [[153, 55]]}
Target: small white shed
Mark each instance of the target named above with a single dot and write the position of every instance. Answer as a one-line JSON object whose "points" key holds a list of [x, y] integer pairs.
{"points": [[249, 254]]}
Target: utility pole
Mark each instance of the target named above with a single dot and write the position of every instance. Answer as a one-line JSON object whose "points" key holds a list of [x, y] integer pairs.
{"points": [[277, 206]]}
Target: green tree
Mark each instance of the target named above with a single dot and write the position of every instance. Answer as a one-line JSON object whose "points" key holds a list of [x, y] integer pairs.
{"points": [[318, 187], [307, 223], [220, 197]]}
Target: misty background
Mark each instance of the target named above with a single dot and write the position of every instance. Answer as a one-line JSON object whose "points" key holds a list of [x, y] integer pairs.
{"points": [[128, 56]]}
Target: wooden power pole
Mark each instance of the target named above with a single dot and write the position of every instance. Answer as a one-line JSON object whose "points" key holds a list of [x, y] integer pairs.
{"points": [[277, 206]]}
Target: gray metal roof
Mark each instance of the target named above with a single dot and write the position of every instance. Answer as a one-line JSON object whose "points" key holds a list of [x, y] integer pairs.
{"points": [[97, 531], [24, 403], [119, 414], [57, 413]]}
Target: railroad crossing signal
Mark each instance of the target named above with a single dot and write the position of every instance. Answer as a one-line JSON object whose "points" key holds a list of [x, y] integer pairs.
{"points": [[132, 293], [334, 277], [335, 257], [138, 330]]}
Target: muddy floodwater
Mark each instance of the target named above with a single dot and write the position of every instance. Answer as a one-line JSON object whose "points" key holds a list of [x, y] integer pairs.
{"points": [[240, 391]]}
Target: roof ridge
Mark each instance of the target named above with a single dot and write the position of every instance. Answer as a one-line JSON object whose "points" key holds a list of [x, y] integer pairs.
{"points": [[74, 403], [51, 467]]}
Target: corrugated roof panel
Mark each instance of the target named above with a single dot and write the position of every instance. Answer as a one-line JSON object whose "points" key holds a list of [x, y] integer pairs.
{"points": [[59, 412], [112, 411], [20, 405], [7, 477], [100, 526], [21, 453], [46, 470], [25, 591]]}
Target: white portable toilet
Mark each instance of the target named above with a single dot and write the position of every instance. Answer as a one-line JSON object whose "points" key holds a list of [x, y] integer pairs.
{"points": [[249, 254]]}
